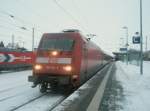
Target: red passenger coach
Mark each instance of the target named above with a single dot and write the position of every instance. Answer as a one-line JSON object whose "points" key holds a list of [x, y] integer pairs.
{"points": [[66, 58], [10, 60]]}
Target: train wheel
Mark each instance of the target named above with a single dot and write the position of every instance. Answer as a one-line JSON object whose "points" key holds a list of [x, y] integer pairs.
{"points": [[43, 87]]}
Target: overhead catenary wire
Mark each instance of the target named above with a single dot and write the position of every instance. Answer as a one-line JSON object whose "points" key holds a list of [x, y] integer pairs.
{"points": [[10, 29], [70, 15], [14, 17], [58, 5], [27, 7], [78, 11], [20, 20], [82, 16], [17, 19], [20, 27], [16, 29], [17, 26]]}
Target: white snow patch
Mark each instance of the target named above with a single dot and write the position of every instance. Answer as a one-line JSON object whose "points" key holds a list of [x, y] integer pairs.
{"points": [[136, 86], [15, 91], [43, 104]]}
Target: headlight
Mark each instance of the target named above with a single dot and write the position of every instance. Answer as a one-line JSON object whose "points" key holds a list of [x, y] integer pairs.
{"points": [[54, 53], [37, 67], [67, 68]]}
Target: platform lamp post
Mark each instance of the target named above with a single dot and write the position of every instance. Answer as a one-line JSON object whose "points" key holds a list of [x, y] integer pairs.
{"points": [[126, 45], [141, 40]]}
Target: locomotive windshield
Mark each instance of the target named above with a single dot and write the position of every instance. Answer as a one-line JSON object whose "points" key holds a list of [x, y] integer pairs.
{"points": [[57, 44]]}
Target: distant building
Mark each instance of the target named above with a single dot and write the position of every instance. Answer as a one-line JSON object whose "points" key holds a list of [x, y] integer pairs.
{"points": [[133, 56], [120, 56]]}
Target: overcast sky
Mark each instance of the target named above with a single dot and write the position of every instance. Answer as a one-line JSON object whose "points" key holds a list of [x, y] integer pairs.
{"points": [[105, 18]]}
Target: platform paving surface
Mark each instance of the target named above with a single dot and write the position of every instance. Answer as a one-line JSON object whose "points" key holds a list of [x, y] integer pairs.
{"points": [[127, 89]]}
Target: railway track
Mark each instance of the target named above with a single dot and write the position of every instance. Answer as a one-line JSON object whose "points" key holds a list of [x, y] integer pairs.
{"points": [[31, 99], [27, 102], [43, 103], [21, 97], [16, 94]]}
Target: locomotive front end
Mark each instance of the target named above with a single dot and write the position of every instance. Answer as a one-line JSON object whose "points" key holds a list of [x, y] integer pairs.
{"points": [[54, 61]]}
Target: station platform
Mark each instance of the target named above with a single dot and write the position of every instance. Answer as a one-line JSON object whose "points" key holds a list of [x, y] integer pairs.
{"points": [[118, 87], [127, 89]]}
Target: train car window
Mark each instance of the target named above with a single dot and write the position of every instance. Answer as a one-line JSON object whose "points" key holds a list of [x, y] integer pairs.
{"points": [[57, 44]]}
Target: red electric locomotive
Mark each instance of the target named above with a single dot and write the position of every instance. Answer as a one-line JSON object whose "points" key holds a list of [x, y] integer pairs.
{"points": [[66, 58]]}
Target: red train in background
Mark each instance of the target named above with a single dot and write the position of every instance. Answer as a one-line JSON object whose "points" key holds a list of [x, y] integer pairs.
{"points": [[66, 58], [11, 59]]}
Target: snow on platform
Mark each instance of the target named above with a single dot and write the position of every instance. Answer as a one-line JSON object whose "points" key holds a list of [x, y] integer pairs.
{"points": [[136, 86]]}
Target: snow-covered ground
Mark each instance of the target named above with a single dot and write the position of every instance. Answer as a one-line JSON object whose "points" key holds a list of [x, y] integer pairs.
{"points": [[136, 87], [16, 94]]}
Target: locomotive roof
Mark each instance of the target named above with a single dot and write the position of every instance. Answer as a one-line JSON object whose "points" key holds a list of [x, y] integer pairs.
{"points": [[71, 30]]}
